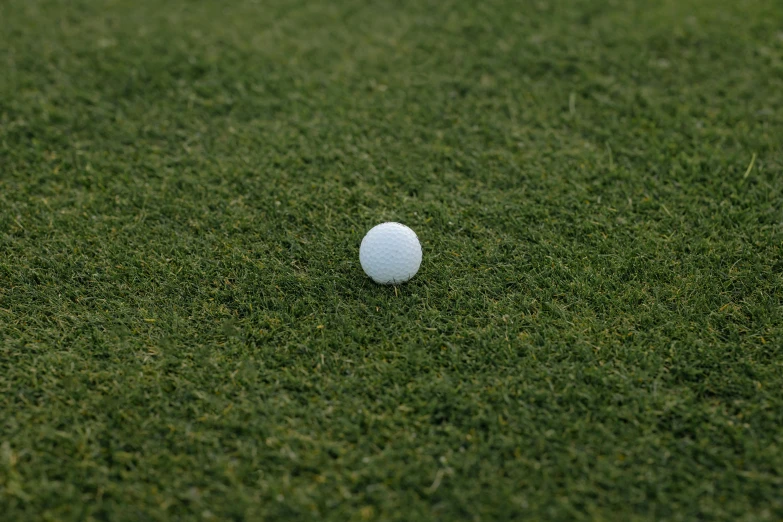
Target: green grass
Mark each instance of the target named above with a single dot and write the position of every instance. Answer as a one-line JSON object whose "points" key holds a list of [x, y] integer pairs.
{"points": [[597, 328]]}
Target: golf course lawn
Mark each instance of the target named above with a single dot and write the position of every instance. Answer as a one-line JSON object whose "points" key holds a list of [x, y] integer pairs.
{"points": [[596, 331]]}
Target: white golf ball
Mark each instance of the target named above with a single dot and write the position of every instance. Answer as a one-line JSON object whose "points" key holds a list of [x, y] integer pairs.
{"points": [[390, 253]]}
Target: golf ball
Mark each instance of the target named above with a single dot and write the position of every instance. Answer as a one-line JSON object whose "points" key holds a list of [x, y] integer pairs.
{"points": [[390, 253]]}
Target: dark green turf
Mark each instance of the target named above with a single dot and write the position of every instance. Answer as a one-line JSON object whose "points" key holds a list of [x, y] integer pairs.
{"points": [[597, 328]]}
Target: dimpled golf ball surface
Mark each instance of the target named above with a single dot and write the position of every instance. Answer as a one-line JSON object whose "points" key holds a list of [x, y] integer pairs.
{"points": [[390, 253]]}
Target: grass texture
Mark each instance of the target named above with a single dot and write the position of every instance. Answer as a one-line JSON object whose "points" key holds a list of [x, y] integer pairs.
{"points": [[597, 329]]}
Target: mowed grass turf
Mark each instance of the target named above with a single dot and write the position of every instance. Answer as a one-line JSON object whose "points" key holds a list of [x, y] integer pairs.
{"points": [[186, 332]]}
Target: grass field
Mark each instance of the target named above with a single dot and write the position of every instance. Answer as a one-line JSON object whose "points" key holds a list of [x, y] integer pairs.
{"points": [[597, 328]]}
